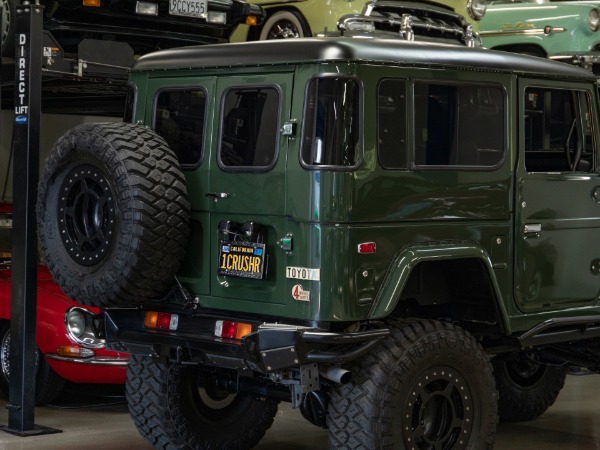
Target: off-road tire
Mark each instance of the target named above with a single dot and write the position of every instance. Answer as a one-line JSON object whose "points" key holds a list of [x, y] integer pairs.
{"points": [[526, 391], [168, 411], [113, 214], [7, 27], [428, 377], [284, 24], [48, 384]]}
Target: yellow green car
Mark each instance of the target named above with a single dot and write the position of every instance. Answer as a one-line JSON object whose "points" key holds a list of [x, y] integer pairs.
{"points": [[306, 18]]}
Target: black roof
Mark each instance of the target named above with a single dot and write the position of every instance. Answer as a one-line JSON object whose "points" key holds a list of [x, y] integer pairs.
{"points": [[396, 51]]}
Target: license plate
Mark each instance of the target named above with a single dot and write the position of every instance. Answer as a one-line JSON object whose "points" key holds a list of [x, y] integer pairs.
{"points": [[188, 8], [244, 260]]}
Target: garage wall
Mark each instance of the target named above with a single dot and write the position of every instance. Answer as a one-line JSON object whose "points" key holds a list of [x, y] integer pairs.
{"points": [[53, 126]]}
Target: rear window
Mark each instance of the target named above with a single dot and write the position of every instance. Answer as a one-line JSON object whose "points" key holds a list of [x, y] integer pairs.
{"points": [[179, 117], [249, 128], [331, 137]]}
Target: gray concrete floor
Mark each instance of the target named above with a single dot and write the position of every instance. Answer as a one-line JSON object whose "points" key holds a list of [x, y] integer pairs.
{"points": [[572, 423]]}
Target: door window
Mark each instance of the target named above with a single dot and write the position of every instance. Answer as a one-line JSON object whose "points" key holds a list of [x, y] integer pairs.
{"points": [[249, 128], [179, 116], [558, 131]]}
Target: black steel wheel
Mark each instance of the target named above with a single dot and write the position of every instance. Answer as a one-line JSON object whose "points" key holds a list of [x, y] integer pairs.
{"points": [[284, 24], [177, 407], [429, 386], [526, 386], [113, 214], [48, 384]]}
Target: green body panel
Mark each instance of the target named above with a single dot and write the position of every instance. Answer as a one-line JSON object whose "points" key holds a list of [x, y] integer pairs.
{"points": [[413, 215], [521, 24]]}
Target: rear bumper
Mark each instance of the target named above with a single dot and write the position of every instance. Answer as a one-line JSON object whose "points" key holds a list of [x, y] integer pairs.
{"points": [[268, 348]]}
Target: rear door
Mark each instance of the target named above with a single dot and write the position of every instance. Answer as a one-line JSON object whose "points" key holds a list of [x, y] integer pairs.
{"points": [[248, 191], [181, 110], [557, 252]]}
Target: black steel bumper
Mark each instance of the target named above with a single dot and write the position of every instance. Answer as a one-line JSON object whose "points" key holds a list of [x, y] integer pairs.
{"points": [[269, 347]]}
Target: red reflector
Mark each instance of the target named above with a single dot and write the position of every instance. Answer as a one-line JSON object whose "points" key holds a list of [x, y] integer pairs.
{"points": [[232, 330], [229, 330], [366, 247], [163, 321]]}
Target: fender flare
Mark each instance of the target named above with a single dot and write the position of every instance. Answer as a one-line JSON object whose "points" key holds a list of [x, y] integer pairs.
{"points": [[409, 256]]}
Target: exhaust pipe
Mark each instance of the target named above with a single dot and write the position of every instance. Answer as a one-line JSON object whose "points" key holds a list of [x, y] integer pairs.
{"points": [[336, 374]]}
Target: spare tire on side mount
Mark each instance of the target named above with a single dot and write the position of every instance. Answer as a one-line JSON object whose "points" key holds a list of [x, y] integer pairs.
{"points": [[113, 214]]}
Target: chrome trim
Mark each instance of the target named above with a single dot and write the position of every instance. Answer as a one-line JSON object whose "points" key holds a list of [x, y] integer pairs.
{"points": [[91, 361], [535, 31], [88, 339]]}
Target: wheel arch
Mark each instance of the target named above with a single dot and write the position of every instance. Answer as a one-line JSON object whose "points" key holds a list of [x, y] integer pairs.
{"points": [[458, 281], [254, 33]]}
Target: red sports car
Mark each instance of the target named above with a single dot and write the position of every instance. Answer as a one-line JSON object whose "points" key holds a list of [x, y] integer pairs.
{"points": [[67, 347]]}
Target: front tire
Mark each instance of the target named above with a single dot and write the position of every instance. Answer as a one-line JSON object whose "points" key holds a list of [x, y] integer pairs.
{"points": [[174, 407], [113, 214], [526, 387], [284, 24], [429, 385], [48, 384]]}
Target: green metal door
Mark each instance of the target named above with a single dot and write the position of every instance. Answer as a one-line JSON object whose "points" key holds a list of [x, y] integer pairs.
{"points": [[557, 235], [181, 110], [248, 191]]}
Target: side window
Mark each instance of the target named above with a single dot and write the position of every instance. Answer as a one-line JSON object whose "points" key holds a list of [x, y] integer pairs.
{"points": [[558, 130], [459, 125], [249, 128], [331, 123], [391, 124], [179, 116]]}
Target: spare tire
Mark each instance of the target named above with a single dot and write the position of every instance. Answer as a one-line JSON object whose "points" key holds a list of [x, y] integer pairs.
{"points": [[113, 214]]}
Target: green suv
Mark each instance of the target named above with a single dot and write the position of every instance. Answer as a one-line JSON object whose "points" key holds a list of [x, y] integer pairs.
{"points": [[399, 238]]}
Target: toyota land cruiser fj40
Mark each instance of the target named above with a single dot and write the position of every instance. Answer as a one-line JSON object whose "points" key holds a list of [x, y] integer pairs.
{"points": [[402, 239]]}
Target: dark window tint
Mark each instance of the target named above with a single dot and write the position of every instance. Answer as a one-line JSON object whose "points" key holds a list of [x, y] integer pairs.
{"points": [[459, 125], [391, 124], [129, 104], [250, 127], [331, 123], [179, 119], [557, 128]]}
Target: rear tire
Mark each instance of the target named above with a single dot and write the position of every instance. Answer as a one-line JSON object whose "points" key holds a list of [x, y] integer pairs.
{"points": [[526, 387], [171, 410], [113, 214], [429, 385]]}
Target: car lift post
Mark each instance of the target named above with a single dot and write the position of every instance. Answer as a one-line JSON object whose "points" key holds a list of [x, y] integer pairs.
{"points": [[26, 141]]}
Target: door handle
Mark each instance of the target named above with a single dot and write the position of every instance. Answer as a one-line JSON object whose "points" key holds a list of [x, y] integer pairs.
{"points": [[532, 230], [216, 195], [596, 194]]}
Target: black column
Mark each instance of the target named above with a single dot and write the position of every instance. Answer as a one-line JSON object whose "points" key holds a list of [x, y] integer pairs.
{"points": [[26, 142]]}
